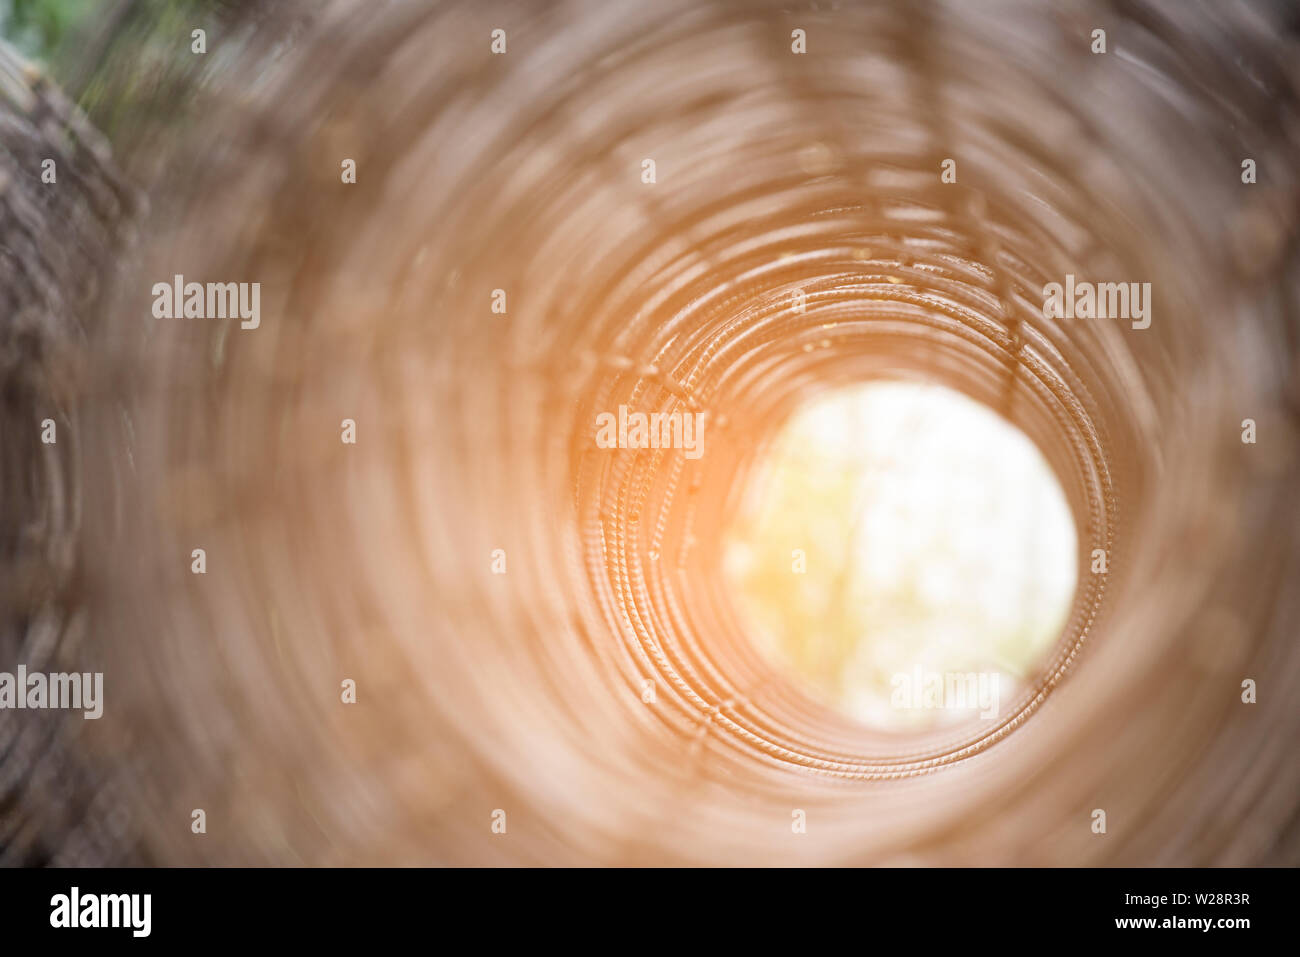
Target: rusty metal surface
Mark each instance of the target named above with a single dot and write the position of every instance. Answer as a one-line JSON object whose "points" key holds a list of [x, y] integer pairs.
{"points": [[776, 173]]}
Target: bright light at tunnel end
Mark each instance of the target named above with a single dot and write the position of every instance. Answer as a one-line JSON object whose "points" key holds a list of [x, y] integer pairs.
{"points": [[905, 555]]}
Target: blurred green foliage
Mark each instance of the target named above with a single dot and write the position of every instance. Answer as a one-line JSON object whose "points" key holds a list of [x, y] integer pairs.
{"points": [[127, 63], [38, 27]]}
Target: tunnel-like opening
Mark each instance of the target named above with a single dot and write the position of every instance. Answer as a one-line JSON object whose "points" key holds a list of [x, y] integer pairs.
{"points": [[903, 553], [544, 624]]}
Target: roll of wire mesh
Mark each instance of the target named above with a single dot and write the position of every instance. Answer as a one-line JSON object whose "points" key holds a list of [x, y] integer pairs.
{"points": [[603, 693], [55, 244]]}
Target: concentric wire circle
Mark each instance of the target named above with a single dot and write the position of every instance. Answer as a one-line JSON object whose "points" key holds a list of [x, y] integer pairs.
{"points": [[538, 625]]}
